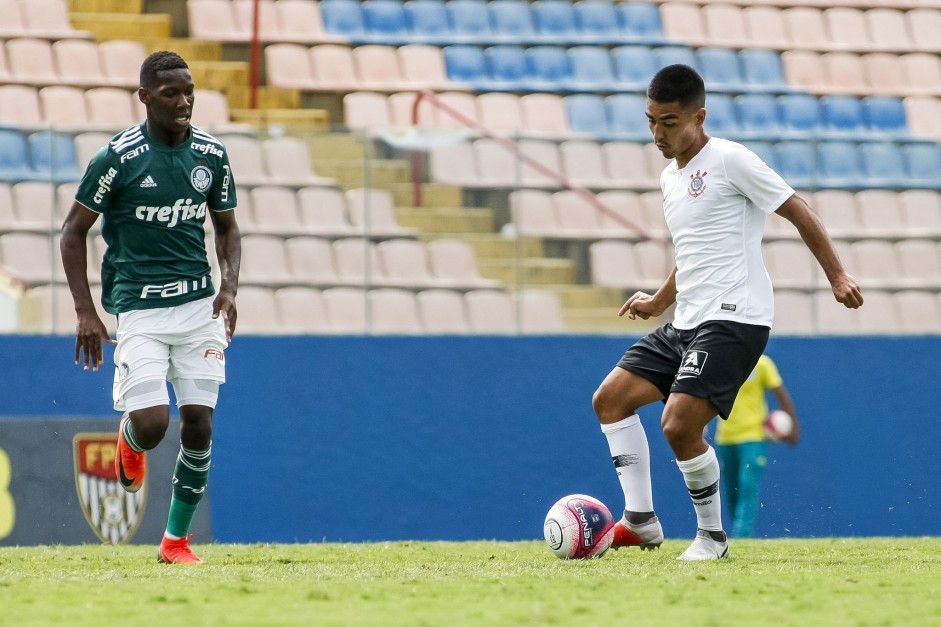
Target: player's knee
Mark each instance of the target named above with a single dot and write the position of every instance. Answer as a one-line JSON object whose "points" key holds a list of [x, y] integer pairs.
{"points": [[196, 426], [608, 407], [150, 425], [676, 431]]}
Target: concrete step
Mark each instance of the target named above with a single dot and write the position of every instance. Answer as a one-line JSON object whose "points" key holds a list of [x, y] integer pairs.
{"points": [[382, 173], [588, 297], [535, 272], [605, 320], [446, 219], [106, 6], [123, 25], [493, 245], [336, 146], [218, 74], [268, 97], [432, 195], [190, 49], [292, 119]]}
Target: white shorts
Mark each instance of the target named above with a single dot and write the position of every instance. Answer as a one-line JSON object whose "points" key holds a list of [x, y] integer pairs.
{"points": [[168, 343]]}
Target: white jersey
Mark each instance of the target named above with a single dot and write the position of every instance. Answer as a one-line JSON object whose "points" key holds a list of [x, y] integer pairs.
{"points": [[715, 209]]}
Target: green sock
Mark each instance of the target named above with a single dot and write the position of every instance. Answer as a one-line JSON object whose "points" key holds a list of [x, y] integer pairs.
{"points": [[190, 478]]}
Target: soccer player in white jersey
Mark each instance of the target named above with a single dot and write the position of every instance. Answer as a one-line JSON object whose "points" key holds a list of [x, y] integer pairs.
{"points": [[153, 185], [717, 195]]}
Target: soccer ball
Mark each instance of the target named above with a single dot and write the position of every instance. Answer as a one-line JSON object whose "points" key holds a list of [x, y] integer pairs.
{"points": [[579, 526], [779, 425]]}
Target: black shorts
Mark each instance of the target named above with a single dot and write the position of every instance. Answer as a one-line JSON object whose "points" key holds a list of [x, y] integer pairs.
{"points": [[711, 361]]}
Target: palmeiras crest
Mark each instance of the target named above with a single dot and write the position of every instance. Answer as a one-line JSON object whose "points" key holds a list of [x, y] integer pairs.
{"points": [[113, 514], [697, 183]]}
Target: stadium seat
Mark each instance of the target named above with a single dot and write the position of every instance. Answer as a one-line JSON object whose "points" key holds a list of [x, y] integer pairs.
{"points": [[384, 22], [422, 67], [884, 74], [682, 22], [269, 27], [508, 67], [922, 163], [467, 64], [287, 162], [373, 211], [549, 68], [640, 23], [757, 114], [322, 211], [258, 311], [847, 28], [765, 26], [587, 113], [924, 24], [554, 21], [921, 212], [87, 144], [393, 311], [344, 17], [583, 163], [332, 68], [804, 69], [627, 117], [842, 117], [269, 263], [211, 113], [77, 63], [612, 264], [880, 213], [839, 165], [532, 213], [883, 165], [289, 66], [792, 313], [762, 71], [765, 152], [797, 163], [301, 310], [919, 263], [12, 24], [463, 104], [245, 156], [14, 157], [544, 114], [790, 264], [800, 114], [52, 156], [454, 164], [346, 309], [592, 69], [545, 153], [427, 22], [598, 21], [634, 66], [274, 211], [31, 61], [722, 119], [724, 25], [404, 263], [876, 263], [500, 112], [885, 115], [357, 262], [490, 312], [27, 257], [454, 263], [540, 312], [671, 55], [33, 207], [627, 166], [655, 260], [887, 30], [512, 21], [918, 312], [377, 68], [111, 108], [720, 69], [623, 216], [49, 19], [470, 21], [924, 73], [365, 110], [19, 106], [845, 74], [442, 312], [310, 260], [301, 21], [214, 20], [575, 216], [838, 211]]}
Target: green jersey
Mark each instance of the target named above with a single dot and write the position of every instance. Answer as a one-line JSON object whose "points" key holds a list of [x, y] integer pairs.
{"points": [[153, 200]]}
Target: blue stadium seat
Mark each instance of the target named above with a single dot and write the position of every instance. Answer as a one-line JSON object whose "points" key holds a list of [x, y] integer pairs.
{"points": [[52, 156], [720, 70], [343, 17], [761, 69], [509, 70], [627, 117], [796, 163], [721, 118], [587, 114], [14, 157], [512, 21], [765, 152], [385, 22], [839, 165], [549, 68], [800, 114], [427, 20], [555, 22], [470, 21], [843, 116], [634, 66], [598, 20], [640, 23], [467, 64], [923, 163], [758, 116], [883, 165], [592, 69], [671, 55], [886, 115]]}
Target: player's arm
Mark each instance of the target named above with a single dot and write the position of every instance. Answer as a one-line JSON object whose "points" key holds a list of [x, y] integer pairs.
{"points": [[73, 246], [642, 305], [228, 242], [786, 404], [811, 230]]}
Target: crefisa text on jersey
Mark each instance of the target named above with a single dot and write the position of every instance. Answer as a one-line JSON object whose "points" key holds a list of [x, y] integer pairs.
{"points": [[182, 209]]}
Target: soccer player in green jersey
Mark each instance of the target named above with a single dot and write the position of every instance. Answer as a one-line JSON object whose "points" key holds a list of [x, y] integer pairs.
{"points": [[153, 185]]}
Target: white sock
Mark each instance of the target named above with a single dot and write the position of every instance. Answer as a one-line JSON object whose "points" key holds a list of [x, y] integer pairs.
{"points": [[702, 480], [631, 454]]}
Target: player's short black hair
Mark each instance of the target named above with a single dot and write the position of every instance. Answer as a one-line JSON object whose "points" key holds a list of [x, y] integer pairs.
{"points": [[159, 62], [678, 83]]}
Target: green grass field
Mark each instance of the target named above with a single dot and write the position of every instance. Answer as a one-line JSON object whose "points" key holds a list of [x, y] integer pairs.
{"points": [[869, 581]]}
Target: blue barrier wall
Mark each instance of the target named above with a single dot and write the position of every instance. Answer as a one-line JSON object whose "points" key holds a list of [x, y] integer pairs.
{"points": [[352, 439]]}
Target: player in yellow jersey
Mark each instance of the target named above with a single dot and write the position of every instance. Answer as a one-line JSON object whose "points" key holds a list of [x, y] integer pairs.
{"points": [[742, 443]]}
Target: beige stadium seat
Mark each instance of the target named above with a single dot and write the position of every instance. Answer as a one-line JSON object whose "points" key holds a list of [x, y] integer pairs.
{"points": [[442, 311], [924, 73], [393, 311], [533, 213], [725, 26], [77, 62], [501, 113], [921, 211], [629, 217], [540, 312], [652, 204], [884, 74], [245, 156], [373, 211], [287, 161], [214, 20], [31, 61], [323, 212], [9, 221], [454, 263], [301, 310], [576, 217], [365, 110], [58, 309], [423, 67], [628, 165], [919, 311], [121, 61], [19, 106], [683, 22], [764, 25], [463, 104], [12, 24], [922, 114], [333, 69], [613, 264], [919, 263], [847, 28], [27, 257], [656, 162], [806, 28], [655, 260], [880, 213], [545, 153], [35, 205], [289, 66], [544, 115], [793, 313], [378, 68], [357, 262], [269, 27], [454, 164], [311, 261], [264, 261], [274, 210], [837, 210], [111, 108], [888, 30], [87, 144], [496, 164], [401, 105], [64, 107], [301, 21], [49, 19], [924, 24], [832, 318], [346, 309], [879, 315], [583, 163], [211, 113], [405, 263], [875, 262], [790, 265], [845, 74], [780, 228], [490, 312], [258, 311]]}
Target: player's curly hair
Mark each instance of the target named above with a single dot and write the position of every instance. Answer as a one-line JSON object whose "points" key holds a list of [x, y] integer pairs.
{"points": [[678, 83], [159, 62]]}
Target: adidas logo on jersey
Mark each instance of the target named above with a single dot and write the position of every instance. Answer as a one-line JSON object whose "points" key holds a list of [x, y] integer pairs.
{"points": [[148, 182]]}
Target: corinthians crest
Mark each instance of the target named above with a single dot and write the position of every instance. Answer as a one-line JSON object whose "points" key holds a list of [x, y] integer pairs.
{"points": [[697, 183], [113, 514]]}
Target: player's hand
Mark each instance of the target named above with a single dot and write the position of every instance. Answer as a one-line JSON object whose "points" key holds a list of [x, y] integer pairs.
{"points": [[90, 333], [792, 438], [224, 305], [847, 291], [640, 305]]}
